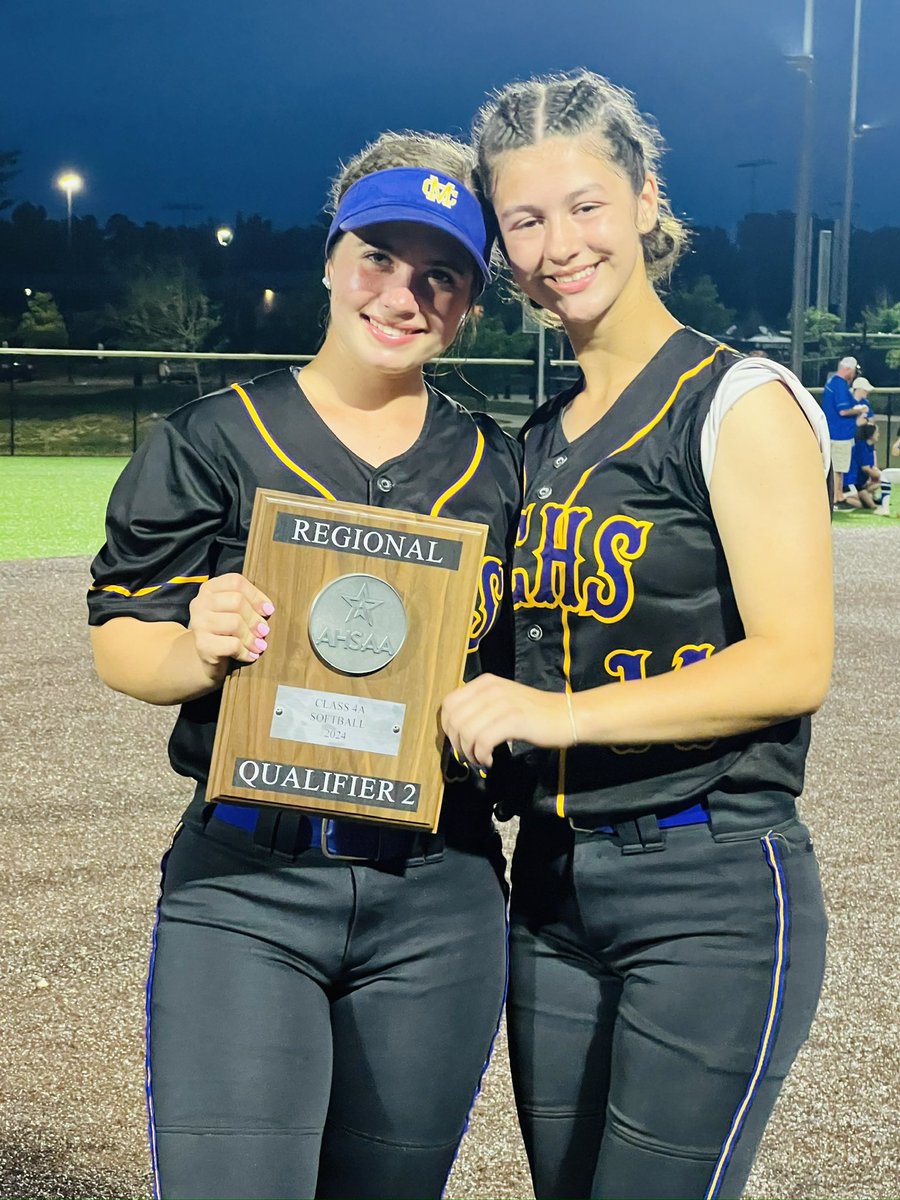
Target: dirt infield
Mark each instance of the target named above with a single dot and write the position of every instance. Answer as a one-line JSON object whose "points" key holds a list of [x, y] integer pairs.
{"points": [[88, 806]]}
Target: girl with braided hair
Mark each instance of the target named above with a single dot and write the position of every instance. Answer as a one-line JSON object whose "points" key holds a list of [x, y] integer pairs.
{"points": [[667, 926]]}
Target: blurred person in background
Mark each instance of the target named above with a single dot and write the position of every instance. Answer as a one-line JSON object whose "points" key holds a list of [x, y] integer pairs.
{"points": [[861, 389], [864, 475], [841, 412]]}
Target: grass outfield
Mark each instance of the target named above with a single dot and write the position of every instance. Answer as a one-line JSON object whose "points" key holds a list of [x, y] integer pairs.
{"points": [[53, 507], [859, 517]]}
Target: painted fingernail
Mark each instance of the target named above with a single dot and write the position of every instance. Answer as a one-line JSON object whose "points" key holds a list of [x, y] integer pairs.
{"points": [[262, 629], [268, 608], [260, 645], [253, 657]]}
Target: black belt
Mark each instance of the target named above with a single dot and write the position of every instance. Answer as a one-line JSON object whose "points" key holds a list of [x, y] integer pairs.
{"points": [[347, 841]]}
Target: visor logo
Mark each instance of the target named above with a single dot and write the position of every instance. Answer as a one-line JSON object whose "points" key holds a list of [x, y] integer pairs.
{"points": [[439, 193]]}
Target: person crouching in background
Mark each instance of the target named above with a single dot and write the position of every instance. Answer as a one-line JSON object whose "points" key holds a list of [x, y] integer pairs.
{"points": [[864, 474]]}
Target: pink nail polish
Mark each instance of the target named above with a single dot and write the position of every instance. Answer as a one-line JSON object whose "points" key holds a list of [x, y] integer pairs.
{"points": [[268, 608], [253, 657], [260, 645], [262, 629]]}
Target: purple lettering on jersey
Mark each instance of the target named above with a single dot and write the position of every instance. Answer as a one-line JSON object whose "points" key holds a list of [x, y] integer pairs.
{"points": [[487, 600], [609, 594], [519, 575], [558, 558], [685, 655]]}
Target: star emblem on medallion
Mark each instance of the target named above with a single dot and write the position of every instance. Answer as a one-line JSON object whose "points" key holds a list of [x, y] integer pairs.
{"points": [[361, 606]]}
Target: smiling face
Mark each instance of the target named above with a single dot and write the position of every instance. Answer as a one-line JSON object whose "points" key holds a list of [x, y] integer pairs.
{"points": [[571, 226], [399, 291]]}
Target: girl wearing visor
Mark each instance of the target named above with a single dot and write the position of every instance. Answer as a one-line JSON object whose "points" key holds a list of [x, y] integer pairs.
{"points": [[323, 995], [667, 928]]}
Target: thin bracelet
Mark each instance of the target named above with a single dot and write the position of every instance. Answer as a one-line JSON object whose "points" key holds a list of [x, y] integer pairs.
{"points": [[571, 717]]}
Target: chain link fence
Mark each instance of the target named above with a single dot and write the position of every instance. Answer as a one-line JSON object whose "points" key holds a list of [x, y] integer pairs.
{"points": [[103, 402]]}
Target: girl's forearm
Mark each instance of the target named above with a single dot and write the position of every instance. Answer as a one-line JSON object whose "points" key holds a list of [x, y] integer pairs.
{"points": [[154, 661], [747, 686]]}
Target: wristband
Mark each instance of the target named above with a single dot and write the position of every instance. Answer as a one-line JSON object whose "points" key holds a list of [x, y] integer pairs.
{"points": [[572, 717]]}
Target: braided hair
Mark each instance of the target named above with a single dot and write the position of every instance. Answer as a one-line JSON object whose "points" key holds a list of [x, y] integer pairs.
{"points": [[584, 105]]}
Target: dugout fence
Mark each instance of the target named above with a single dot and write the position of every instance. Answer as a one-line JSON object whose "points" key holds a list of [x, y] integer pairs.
{"points": [[104, 402]]}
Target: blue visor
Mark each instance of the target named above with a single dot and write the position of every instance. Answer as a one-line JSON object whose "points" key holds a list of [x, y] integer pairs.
{"points": [[415, 194]]}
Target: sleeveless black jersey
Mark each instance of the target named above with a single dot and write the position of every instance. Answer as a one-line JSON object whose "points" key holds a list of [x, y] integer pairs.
{"points": [[619, 574], [180, 512]]}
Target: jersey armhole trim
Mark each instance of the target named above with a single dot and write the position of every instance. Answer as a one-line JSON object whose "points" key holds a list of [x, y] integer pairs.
{"points": [[742, 378], [653, 422]]}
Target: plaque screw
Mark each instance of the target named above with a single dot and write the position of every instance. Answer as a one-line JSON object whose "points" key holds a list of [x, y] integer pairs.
{"points": [[279, 712], [396, 729]]}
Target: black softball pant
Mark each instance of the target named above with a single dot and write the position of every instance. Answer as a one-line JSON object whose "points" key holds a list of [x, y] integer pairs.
{"points": [[317, 1028], [656, 1004]]}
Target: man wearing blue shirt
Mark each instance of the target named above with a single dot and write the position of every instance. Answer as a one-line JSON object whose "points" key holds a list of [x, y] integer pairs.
{"points": [[841, 413]]}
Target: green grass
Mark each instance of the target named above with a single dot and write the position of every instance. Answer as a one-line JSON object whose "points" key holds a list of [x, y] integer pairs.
{"points": [[54, 507], [859, 517]]}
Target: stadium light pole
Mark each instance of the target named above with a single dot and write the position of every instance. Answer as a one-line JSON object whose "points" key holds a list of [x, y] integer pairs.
{"points": [[70, 182], [853, 132], [753, 165], [804, 64]]}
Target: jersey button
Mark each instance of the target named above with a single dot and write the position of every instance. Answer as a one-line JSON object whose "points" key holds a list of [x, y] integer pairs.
{"points": [[385, 484], [560, 460], [535, 633], [544, 492]]}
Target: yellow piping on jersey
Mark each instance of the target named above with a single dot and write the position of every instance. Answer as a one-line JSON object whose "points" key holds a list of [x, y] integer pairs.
{"points": [[276, 449], [642, 433], [567, 671], [464, 478], [145, 591], [567, 634]]}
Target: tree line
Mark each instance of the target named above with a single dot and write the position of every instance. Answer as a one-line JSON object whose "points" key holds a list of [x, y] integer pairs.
{"points": [[175, 287]]}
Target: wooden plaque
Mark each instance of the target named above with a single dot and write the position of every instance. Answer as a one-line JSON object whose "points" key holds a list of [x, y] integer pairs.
{"points": [[341, 714]]}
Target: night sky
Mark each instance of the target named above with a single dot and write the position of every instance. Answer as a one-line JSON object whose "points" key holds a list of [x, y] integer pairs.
{"points": [[247, 105]]}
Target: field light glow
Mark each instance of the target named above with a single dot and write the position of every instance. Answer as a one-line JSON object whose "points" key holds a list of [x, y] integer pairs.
{"points": [[70, 181]]}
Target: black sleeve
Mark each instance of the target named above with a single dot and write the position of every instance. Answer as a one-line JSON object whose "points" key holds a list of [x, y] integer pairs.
{"points": [[505, 454], [161, 525]]}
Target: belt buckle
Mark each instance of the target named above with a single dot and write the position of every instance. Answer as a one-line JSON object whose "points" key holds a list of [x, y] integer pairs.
{"points": [[335, 855]]}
